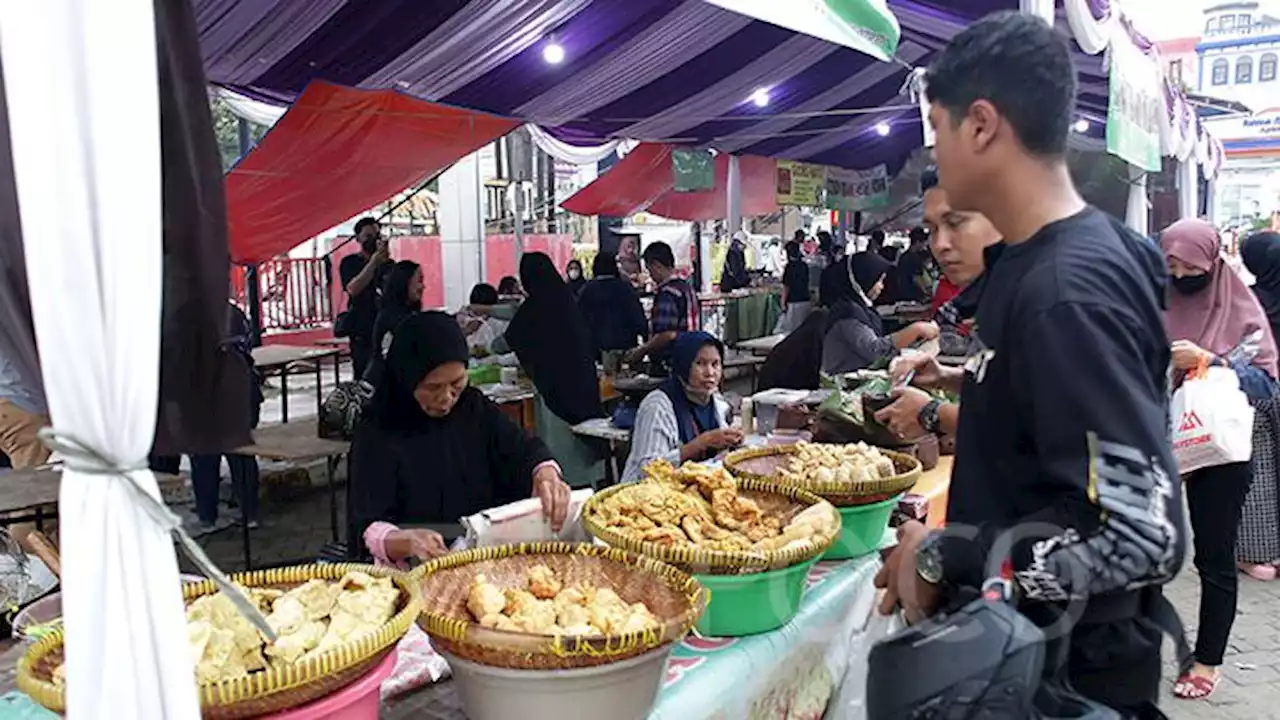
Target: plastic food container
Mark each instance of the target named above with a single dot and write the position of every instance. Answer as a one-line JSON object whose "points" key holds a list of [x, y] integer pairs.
{"points": [[755, 603], [624, 690], [361, 700], [861, 529]]}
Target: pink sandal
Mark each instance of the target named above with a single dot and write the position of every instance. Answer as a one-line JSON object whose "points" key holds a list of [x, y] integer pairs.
{"points": [[1195, 687], [1263, 572]]}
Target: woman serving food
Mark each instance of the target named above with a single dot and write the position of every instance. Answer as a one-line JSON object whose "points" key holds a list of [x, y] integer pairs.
{"points": [[433, 450], [685, 418]]}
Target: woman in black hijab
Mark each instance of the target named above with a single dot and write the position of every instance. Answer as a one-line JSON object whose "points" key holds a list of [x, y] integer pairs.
{"points": [[855, 338], [432, 450], [573, 271], [550, 338], [1261, 254]]}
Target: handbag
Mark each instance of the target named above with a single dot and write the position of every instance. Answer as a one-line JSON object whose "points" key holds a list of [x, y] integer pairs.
{"points": [[342, 324], [342, 409], [1212, 420]]}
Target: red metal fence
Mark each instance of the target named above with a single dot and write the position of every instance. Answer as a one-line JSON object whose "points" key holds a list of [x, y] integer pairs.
{"points": [[292, 294]]}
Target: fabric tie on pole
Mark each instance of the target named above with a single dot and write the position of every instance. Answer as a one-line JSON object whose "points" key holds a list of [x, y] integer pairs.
{"points": [[82, 457]]}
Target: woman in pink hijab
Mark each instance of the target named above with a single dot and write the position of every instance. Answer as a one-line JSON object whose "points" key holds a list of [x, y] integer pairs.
{"points": [[1212, 313]]}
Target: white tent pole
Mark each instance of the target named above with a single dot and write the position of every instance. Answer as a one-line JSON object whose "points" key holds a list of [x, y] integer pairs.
{"points": [[1040, 8], [91, 211], [1187, 186], [733, 191], [1135, 212]]}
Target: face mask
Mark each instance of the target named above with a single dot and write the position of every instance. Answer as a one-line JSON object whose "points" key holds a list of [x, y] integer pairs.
{"points": [[369, 246], [1191, 284], [574, 274]]}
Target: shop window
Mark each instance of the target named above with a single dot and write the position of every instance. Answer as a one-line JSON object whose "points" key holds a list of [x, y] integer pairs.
{"points": [[1220, 70], [1244, 70], [1267, 68]]}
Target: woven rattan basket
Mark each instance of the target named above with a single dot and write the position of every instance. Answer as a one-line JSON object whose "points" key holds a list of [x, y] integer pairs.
{"points": [[746, 464], [674, 597], [266, 691], [784, 503]]}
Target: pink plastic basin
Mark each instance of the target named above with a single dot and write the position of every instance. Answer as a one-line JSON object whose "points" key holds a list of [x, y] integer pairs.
{"points": [[361, 700]]}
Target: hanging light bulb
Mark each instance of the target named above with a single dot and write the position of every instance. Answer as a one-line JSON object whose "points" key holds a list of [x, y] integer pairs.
{"points": [[1080, 126], [760, 97], [553, 53], [883, 129]]}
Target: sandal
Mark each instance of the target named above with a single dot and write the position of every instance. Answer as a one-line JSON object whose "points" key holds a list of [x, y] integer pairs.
{"points": [[1265, 573], [1195, 687]]}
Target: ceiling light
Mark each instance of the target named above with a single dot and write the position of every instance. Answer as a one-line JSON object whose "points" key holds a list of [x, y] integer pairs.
{"points": [[1080, 125], [883, 129], [760, 97], [553, 53]]}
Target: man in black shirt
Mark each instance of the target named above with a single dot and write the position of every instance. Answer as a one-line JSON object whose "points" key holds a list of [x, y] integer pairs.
{"points": [[1063, 430], [362, 276]]}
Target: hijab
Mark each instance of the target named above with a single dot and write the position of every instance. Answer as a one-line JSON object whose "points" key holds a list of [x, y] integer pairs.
{"points": [[693, 416], [551, 340], [1220, 316], [1261, 254], [575, 284], [422, 343], [847, 284], [396, 304]]}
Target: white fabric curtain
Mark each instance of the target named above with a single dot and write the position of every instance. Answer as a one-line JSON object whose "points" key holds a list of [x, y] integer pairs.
{"points": [[574, 154], [252, 110], [88, 181], [1092, 34], [1135, 212]]}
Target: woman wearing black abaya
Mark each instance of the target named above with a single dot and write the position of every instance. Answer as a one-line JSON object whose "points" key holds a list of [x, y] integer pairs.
{"points": [[1261, 254], [550, 338], [432, 450]]}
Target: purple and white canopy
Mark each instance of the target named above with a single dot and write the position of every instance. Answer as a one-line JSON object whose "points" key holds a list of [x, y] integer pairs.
{"points": [[663, 70]]}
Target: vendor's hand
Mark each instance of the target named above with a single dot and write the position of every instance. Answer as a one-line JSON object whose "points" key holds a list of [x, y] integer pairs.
{"points": [[928, 372], [553, 492], [901, 583], [1188, 356], [721, 439], [902, 416], [634, 357], [925, 330], [416, 543]]}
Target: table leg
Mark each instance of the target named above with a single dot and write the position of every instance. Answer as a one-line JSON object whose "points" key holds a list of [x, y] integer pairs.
{"points": [[244, 527], [330, 464], [40, 518], [284, 395], [337, 369], [319, 389]]}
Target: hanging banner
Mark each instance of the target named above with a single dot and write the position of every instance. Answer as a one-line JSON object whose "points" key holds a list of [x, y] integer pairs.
{"points": [[857, 189], [864, 25], [1136, 108], [694, 170], [800, 183]]}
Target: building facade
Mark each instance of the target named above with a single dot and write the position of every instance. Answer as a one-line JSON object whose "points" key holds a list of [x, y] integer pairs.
{"points": [[1237, 57]]}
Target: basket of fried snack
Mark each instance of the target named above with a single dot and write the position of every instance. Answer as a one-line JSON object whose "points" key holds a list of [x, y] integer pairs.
{"points": [[845, 475], [334, 623], [702, 519], [547, 606]]}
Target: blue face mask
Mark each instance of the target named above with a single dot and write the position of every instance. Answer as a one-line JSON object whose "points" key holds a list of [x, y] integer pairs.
{"points": [[1191, 284]]}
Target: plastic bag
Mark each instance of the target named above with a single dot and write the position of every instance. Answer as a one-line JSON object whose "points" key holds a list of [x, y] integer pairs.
{"points": [[522, 521], [1212, 421]]}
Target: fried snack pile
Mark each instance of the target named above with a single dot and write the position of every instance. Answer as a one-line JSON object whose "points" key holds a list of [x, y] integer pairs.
{"points": [[309, 619], [546, 607], [699, 506], [815, 463]]}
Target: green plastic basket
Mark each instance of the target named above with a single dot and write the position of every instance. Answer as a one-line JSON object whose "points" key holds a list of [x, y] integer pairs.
{"points": [[861, 529], [484, 374], [754, 603]]}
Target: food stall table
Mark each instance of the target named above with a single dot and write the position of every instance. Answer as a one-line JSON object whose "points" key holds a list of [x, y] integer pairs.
{"points": [[283, 360], [516, 401], [803, 666], [618, 438], [343, 346], [761, 345]]}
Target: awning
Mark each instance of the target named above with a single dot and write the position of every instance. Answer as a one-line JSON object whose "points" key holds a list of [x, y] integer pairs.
{"points": [[759, 192], [338, 151]]}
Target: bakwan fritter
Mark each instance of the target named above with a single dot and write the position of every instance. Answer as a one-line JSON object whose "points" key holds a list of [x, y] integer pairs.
{"points": [[545, 607], [699, 506]]}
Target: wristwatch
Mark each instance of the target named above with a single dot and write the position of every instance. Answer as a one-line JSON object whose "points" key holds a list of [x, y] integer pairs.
{"points": [[929, 559], [929, 418]]}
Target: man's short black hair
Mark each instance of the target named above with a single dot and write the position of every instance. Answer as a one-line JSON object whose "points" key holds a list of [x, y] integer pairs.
{"points": [[660, 253], [508, 285], [928, 180], [1019, 64], [484, 294], [362, 222]]}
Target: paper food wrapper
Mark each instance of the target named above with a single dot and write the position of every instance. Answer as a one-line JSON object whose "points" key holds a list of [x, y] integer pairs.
{"points": [[522, 521]]}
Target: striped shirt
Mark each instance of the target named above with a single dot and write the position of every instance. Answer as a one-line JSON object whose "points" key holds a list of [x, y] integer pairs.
{"points": [[656, 434]]}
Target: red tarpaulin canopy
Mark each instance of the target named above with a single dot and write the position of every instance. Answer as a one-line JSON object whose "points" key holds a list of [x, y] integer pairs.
{"points": [[338, 151], [645, 180]]}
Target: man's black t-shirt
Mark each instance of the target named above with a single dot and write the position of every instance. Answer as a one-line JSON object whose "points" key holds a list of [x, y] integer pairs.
{"points": [[796, 280], [363, 308], [1064, 422]]}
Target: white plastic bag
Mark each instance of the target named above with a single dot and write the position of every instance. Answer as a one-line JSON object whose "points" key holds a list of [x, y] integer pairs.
{"points": [[1212, 421]]}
